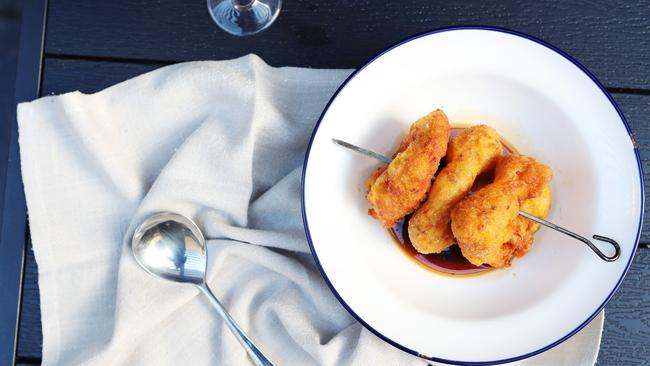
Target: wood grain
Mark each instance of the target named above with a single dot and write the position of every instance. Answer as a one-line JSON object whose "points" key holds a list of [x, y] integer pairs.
{"points": [[627, 318], [9, 34], [609, 37], [30, 338], [64, 75]]}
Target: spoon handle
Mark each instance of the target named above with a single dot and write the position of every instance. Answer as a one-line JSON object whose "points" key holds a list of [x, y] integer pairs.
{"points": [[253, 352]]}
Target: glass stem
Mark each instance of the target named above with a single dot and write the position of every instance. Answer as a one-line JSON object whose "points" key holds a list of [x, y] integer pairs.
{"points": [[242, 4]]}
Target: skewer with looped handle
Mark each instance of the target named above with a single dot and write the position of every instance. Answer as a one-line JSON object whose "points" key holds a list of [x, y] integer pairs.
{"points": [[548, 224]]}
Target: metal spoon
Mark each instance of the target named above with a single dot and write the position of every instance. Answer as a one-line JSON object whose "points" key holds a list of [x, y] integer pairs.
{"points": [[171, 246]]}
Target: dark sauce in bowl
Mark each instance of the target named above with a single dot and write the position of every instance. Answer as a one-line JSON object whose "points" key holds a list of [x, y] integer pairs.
{"points": [[450, 261]]}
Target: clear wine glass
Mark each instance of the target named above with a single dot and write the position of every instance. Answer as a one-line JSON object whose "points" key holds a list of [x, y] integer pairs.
{"points": [[244, 17]]}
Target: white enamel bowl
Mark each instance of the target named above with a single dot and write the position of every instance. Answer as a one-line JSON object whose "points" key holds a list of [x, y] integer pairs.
{"points": [[547, 106]]}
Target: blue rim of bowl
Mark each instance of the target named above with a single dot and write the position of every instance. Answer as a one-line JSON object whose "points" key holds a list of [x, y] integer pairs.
{"points": [[552, 48]]}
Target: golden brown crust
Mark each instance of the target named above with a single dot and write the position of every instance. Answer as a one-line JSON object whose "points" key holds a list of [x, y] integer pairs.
{"points": [[473, 151], [524, 229], [529, 176], [397, 190], [486, 224], [483, 222]]}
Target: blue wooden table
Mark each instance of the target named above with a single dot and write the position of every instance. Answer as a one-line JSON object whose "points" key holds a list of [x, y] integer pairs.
{"points": [[87, 46]]}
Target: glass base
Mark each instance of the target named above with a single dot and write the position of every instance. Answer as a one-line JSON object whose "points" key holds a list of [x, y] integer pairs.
{"points": [[242, 18]]}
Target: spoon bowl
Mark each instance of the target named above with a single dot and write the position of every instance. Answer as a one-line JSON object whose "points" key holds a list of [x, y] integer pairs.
{"points": [[171, 246]]}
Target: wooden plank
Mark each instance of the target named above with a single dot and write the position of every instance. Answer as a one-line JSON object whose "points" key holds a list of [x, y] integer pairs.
{"points": [[636, 109], [10, 8], [14, 215], [9, 31], [627, 318], [9, 35], [609, 37], [63, 75], [30, 337]]}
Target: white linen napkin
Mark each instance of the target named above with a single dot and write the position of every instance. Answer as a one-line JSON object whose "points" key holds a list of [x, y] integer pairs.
{"points": [[223, 143]]}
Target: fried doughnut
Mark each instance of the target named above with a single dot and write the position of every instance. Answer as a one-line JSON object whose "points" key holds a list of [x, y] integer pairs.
{"points": [[470, 153], [486, 224], [398, 189], [523, 228]]}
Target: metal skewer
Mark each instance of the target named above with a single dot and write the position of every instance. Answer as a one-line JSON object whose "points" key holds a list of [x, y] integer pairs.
{"points": [[363, 151], [548, 224]]}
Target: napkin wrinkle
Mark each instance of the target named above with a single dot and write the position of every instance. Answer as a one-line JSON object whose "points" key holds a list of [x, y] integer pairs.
{"points": [[81, 161], [283, 336], [174, 169], [230, 181], [300, 316], [287, 234], [339, 344], [85, 158], [158, 309], [175, 173], [281, 292], [127, 350], [264, 258], [93, 145]]}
